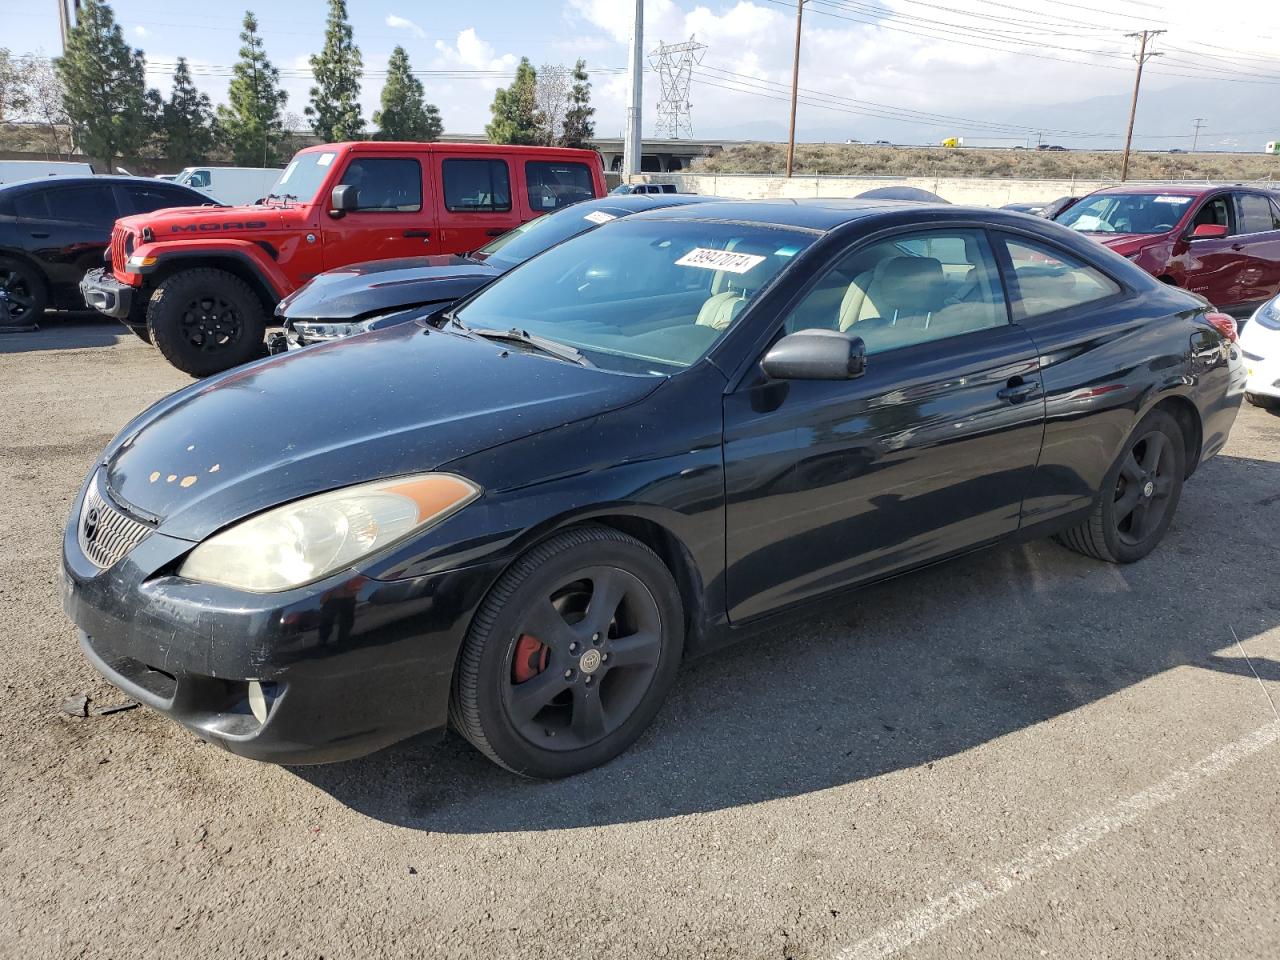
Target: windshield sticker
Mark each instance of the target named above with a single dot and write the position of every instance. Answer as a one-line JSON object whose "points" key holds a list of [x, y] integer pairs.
{"points": [[786, 252], [725, 260], [1167, 199], [599, 216], [325, 159]]}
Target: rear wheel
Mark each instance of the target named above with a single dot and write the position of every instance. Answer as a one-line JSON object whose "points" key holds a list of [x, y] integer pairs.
{"points": [[570, 655], [1139, 495], [205, 321], [23, 295]]}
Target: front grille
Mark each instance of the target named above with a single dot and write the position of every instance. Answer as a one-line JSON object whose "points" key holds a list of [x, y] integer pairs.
{"points": [[105, 533], [118, 254]]}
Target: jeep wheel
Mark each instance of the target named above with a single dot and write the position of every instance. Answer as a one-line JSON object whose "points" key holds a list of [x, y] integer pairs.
{"points": [[205, 321]]}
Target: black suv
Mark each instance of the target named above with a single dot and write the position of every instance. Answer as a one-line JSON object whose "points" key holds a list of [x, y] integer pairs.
{"points": [[54, 230]]}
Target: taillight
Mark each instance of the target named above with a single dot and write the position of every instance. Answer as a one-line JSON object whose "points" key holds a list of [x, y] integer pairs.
{"points": [[1225, 324]]}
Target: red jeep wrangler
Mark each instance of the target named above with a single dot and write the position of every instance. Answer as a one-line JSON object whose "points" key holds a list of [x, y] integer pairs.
{"points": [[201, 282]]}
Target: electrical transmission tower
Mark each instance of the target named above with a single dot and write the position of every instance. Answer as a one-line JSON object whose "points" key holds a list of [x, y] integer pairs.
{"points": [[674, 63]]}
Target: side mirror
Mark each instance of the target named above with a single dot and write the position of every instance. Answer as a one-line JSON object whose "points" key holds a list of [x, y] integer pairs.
{"points": [[1209, 231], [816, 355], [344, 199]]}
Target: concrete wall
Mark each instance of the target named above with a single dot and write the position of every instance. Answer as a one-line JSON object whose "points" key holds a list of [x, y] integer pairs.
{"points": [[972, 191]]}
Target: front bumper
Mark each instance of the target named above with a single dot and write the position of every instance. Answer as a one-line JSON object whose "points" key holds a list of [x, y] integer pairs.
{"points": [[106, 294], [1264, 374], [345, 666]]}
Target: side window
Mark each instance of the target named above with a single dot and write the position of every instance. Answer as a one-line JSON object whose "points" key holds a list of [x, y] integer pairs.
{"points": [[199, 179], [31, 206], [1253, 214], [145, 199], [552, 185], [385, 184], [908, 289], [1048, 279], [476, 186], [91, 203], [1216, 211], [1275, 215]]}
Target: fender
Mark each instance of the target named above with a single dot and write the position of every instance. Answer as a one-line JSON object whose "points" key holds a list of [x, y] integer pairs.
{"points": [[245, 252]]}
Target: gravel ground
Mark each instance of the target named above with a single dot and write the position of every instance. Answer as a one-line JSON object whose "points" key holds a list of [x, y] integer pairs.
{"points": [[1022, 753]]}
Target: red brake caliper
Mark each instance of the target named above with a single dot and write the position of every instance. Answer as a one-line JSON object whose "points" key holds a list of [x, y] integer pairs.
{"points": [[530, 659]]}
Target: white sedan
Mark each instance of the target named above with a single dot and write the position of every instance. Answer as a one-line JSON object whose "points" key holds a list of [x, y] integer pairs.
{"points": [[1260, 341]]}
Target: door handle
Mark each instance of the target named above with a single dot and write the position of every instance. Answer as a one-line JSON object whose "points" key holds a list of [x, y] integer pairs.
{"points": [[1017, 390], [1237, 246], [494, 233], [424, 234]]}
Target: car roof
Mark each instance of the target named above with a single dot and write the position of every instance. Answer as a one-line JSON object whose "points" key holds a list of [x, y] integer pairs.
{"points": [[92, 178], [638, 202], [1177, 189], [420, 147], [819, 214]]}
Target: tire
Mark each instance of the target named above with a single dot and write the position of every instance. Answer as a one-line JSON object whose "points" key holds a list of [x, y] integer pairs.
{"points": [[26, 295], [594, 680], [1139, 495], [1266, 403], [205, 321], [142, 333]]}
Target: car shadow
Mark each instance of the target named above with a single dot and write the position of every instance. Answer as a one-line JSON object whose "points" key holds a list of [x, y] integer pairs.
{"points": [[914, 670], [69, 330]]}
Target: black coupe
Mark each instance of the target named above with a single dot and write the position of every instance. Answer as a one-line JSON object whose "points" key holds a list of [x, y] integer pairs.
{"points": [[640, 445]]}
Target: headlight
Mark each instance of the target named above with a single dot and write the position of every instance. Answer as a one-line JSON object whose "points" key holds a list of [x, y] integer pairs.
{"points": [[310, 539], [1268, 315]]}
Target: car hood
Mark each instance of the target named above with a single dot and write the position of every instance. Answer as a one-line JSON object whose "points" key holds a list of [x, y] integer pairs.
{"points": [[1125, 243], [401, 400], [363, 289], [188, 223]]}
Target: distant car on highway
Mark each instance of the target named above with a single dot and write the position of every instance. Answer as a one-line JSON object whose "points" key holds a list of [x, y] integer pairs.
{"points": [[1222, 242], [518, 519], [369, 296], [1260, 344], [54, 229]]}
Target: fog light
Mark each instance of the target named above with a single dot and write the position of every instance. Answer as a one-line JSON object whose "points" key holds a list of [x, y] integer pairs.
{"points": [[257, 701]]}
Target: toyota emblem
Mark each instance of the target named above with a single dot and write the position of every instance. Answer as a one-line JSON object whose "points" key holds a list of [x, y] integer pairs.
{"points": [[91, 524]]}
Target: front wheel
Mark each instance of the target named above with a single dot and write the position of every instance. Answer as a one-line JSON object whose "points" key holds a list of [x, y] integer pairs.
{"points": [[205, 321], [23, 295], [571, 654], [1139, 495]]}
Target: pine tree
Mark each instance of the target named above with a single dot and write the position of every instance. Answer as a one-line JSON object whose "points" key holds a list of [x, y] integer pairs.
{"points": [[187, 120], [405, 115], [251, 125], [579, 128], [106, 92], [335, 99], [515, 114]]}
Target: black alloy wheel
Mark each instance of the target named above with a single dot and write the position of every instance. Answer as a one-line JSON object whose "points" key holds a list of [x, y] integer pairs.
{"points": [[22, 296], [210, 323], [1139, 495], [570, 655], [1143, 488], [205, 321]]}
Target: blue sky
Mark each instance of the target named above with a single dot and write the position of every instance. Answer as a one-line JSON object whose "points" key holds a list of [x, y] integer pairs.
{"points": [[904, 70]]}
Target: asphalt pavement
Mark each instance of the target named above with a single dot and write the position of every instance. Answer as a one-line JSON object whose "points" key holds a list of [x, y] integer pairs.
{"points": [[1021, 753]]}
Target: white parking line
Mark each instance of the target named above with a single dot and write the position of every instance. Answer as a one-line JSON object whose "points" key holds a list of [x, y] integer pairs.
{"points": [[968, 897]]}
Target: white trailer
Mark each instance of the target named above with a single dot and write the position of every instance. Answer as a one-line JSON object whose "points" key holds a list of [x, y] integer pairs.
{"points": [[11, 170], [235, 186]]}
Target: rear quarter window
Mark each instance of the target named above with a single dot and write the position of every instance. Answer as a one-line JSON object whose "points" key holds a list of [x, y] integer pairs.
{"points": [[1047, 280], [554, 184]]}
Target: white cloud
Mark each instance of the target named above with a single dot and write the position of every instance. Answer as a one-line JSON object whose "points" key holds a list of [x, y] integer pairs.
{"points": [[403, 23], [140, 32]]}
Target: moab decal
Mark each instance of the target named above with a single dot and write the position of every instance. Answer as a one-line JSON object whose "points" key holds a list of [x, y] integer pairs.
{"points": [[211, 227]]}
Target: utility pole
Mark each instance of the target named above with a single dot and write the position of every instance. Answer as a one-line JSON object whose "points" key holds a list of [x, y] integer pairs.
{"points": [[63, 23], [1142, 57], [795, 85], [1195, 138], [631, 144]]}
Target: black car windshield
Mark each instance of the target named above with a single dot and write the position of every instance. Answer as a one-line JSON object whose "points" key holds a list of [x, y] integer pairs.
{"points": [[530, 239], [639, 296], [1126, 213], [303, 176]]}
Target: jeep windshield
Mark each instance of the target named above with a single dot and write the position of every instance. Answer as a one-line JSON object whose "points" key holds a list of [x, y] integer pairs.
{"points": [[302, 177], [1126, 213], [636, 296]]}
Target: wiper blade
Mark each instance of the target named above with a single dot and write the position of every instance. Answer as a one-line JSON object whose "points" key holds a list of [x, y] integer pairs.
{"points": [[553, 348]]}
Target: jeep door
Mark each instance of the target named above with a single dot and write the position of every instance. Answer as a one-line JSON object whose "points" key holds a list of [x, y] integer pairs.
{"points": [[393, 214], [477, 200]]}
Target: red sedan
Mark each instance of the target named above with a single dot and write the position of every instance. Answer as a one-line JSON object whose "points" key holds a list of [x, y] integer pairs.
{"points": [[1220, 242]]}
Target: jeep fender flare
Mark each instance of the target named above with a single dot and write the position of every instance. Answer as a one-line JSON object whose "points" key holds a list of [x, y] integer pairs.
{"points": [[251, 258]]}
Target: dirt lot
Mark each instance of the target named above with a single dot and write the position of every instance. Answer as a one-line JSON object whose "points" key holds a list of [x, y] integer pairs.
{"points": [[1020, 754]]}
